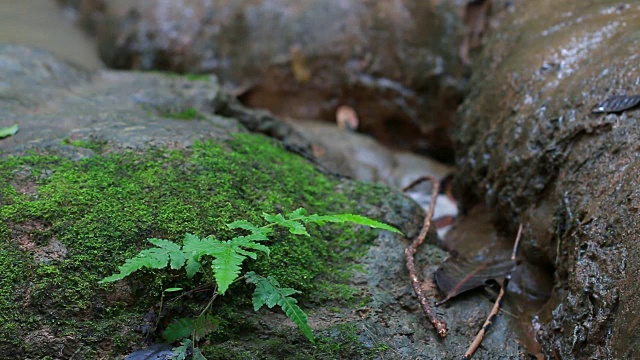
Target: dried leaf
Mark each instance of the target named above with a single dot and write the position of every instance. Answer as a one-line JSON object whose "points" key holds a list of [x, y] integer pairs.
{"points": [[617, 104], [457, 275]]}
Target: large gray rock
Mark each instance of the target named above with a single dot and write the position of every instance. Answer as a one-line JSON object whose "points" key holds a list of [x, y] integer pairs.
{"points": [[395, 63], [105, 160], [531, 149]]}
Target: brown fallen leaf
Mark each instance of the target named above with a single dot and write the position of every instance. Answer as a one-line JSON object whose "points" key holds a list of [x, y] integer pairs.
{"points": [[457, 275]]}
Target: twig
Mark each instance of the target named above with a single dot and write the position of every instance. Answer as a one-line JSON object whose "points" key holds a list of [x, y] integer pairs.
{"points": [[516, 245], [410, 251], [496, 306]]}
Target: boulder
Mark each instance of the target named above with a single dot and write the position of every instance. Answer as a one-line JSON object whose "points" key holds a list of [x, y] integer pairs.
{"points": [[393, 62], [104, 160], [531, 149]]}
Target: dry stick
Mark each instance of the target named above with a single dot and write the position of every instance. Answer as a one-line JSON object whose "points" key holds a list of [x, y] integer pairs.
{"points": [[410, 251], [496, 306]]}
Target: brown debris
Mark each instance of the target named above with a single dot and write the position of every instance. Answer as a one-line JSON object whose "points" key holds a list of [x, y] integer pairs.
{"points": [[458, 274], [496, 306], [410, 251]]}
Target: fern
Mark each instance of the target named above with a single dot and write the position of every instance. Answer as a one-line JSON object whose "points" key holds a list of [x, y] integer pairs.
{"points": [[195, 328], [226, 259], [166, 253], [268, 292], [186, 345]]}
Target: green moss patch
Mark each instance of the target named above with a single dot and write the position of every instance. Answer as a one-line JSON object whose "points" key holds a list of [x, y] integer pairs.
{"points": [[96, 146], [66, 224], [186, 114]]}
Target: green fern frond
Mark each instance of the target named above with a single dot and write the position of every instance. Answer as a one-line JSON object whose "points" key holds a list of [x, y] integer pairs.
{"points": [[226, 267], [229, 256], [196, 328], [180, 352], [245, 225], [342, 218], [294, 226], [249, 242], [297, 214], [194, 248], [268, 292], [166, 253], [178, 329], [197, 354]]}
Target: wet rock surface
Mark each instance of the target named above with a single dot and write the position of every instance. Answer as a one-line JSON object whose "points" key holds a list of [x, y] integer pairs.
{"points": [[124, 121], [393, 62], [532, 150]]}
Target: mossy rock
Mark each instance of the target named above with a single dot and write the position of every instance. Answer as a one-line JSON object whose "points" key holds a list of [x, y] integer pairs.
{"points": [[97, 168], [68, 223]]}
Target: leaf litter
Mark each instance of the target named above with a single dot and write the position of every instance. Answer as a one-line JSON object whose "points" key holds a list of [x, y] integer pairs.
{"points": [[457, 275]]}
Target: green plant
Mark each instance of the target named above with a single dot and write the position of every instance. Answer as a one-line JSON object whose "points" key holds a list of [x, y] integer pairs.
{"points": [[225, 259]]}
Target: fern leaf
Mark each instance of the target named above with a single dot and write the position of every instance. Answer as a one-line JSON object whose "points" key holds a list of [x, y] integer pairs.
{"points": [[194, 248], [356, 219], [294, 226], [192, 267], [178, 329], [197, 328], [268, 292], [263, 294], [180, 352], [248, 242], [203, 326], [297, 315], [297, 214], [226, 266], [176, 255], [155, 258], [197, 354], [245, 225]]}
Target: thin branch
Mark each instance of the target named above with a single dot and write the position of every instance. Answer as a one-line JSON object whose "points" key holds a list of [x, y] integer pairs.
{"points": [[494, 312], [516, 244], [410, 251], [496, 306]]}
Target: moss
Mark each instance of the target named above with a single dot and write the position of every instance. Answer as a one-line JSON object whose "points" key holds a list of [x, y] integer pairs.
{"points": [[95, 145], [190, 77], [102, 208], [343, 342], [197, 77], [186, 114]]}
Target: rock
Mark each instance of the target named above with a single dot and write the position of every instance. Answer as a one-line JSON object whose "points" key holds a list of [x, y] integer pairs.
{"points": [[41, 24], [531, 150], [105, 160], [362, 158], [392, 62]]}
